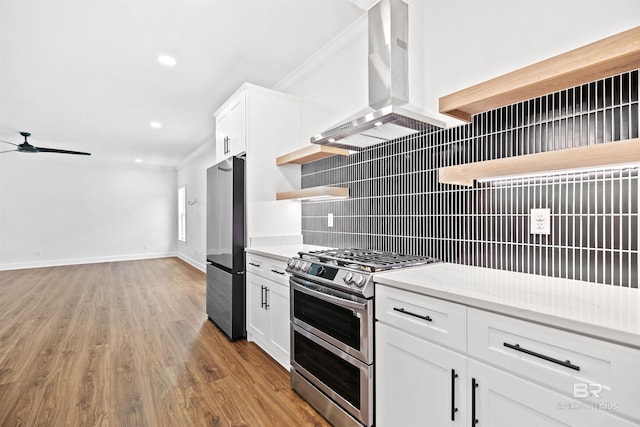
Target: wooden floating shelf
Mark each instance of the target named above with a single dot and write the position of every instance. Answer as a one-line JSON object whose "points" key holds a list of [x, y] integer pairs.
{"points": [[590, 156], [604, 58], [314, 193], [310, 154]]}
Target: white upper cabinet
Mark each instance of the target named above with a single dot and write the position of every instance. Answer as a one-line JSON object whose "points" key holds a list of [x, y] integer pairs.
{"points": [[264, 124], [231, 130]]}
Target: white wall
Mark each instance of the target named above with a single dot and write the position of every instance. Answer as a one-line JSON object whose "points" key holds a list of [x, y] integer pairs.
{"points": [[192, 173], [468, 42], [273, 130], [69, 210], [453, 44], [332, 84]]}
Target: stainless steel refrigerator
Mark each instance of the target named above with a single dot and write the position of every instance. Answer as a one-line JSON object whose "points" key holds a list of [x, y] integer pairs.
{"points": [[225, 247]]}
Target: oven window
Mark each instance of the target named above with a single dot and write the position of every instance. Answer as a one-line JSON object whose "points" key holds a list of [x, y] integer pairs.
{"points": [[338, 322], [335, 372]]}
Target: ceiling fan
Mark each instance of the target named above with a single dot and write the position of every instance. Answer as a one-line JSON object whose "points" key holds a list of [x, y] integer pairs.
{"points": [[25, 147]]}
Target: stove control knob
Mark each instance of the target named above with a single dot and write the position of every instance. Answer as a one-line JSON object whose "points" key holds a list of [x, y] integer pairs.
{"points": [[348, 277], [297, 265], [291, 263], [358, 280], [305, 266]]}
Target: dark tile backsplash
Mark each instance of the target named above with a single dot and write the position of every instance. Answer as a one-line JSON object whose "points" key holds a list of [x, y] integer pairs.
{"points": [[397, 204]]}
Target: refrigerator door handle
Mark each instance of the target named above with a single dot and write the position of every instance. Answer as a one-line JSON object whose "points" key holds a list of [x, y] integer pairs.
{"points": [[220, 266]]}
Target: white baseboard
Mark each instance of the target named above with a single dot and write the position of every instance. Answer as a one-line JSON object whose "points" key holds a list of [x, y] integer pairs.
{"points": [[92, 260], [200, 266]]}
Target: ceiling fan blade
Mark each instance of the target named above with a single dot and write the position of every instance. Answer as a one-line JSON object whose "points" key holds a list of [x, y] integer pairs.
{"points": [[8, 151], [55, 150], [9, 142]]}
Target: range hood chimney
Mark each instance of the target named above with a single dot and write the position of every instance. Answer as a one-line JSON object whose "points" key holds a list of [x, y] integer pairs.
{"points": [[390, 115]]}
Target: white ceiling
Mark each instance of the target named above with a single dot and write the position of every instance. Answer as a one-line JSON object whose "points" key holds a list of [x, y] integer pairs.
{"points": [[83, 75]]}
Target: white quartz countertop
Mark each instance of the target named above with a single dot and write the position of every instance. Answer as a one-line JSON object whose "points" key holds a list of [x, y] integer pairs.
{"points": [[283, 252], [607, 312]]}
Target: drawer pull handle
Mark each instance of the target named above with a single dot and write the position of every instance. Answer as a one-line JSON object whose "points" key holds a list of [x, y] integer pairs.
{"points": [[277, 272], [474, 386], [403, 311], [453, 394], [254, 264], [566, 364]]}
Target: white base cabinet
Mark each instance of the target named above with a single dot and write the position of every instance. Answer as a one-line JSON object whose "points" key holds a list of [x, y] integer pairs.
{"points": [[595, 372], [268, 307], [501, 399], [418, 383], [509, 372], [258, 323]]}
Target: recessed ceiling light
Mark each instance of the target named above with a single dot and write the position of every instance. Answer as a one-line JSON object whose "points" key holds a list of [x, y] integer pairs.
{"points": [[138, 160], [166, 60], [332, 140], [378, 124], [155, 125]]}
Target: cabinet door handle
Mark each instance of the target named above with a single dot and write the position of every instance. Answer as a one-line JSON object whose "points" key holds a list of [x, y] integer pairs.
{"points": [[266, 298], [277, 272], [254, 264], [403, 311], [453, 394], [262, 288], [474, 386], [565, 363]]}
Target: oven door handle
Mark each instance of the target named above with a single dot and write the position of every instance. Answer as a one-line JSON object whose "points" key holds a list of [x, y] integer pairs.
{"points": [[300, 286]]}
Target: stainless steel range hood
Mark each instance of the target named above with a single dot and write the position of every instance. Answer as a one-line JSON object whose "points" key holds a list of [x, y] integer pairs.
{"points": [[389, 115]]}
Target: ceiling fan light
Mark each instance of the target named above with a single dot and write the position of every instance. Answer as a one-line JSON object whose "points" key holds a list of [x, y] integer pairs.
{"points": [[25, 147], [155, 125]]}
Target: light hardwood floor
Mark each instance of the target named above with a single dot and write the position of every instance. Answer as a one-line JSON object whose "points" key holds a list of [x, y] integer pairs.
{"points": [[128, 344]]}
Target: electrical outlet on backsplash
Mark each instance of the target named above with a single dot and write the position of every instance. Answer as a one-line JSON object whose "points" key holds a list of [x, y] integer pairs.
{"points": [[397, 204]]}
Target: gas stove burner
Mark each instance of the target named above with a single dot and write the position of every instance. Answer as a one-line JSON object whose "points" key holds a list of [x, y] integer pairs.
{"points": [[366, 259], [350, 270]]}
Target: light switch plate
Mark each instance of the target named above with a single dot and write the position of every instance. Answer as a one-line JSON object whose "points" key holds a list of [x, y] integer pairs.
{"points": [[540, 221]]}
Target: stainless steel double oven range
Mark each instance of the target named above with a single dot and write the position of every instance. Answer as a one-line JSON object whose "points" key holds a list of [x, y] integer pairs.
{"points": [[332, 329]]}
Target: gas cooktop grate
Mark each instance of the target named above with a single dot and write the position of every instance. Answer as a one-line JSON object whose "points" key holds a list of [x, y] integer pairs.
{"points": [[367, 259]]}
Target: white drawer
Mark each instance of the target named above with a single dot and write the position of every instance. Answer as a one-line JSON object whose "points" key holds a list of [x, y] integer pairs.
{"points": [[268, 268], [600, 374], [255, 264], [430, 318]]}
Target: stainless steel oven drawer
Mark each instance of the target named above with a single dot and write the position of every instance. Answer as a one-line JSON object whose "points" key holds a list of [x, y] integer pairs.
{"points": [[343, 320], [344, 379]]}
